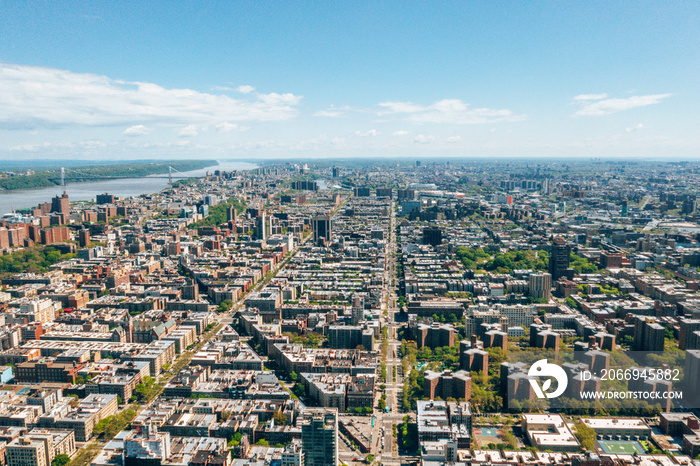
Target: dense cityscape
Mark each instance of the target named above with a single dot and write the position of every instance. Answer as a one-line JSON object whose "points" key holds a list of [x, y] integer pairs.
{"points": [[325, 313]]}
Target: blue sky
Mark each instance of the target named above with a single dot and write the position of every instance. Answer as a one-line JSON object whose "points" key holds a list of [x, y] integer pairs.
{"points": [[258, 79]]}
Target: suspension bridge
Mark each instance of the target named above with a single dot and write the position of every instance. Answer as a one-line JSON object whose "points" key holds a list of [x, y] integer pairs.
{"points": [[173, 174]]}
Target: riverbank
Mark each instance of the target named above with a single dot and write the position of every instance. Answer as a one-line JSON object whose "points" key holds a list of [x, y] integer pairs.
{"points": [[80, 174], [124, 187]]}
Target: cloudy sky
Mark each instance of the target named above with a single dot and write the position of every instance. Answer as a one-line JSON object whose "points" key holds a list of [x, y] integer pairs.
{"points": [[237, 79]]}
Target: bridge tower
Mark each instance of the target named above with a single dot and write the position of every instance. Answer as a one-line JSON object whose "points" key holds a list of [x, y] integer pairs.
{"points": [[170, 175], [63, 177]]}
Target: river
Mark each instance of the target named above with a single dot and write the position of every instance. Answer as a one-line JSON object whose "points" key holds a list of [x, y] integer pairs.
{"points": [[125, 187]]}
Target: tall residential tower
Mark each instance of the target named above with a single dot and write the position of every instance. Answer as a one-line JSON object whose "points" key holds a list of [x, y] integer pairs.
{"points": [[319, 436]]}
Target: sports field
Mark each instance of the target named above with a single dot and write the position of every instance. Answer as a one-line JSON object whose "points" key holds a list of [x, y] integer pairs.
{"points": [[621, 447], [485, 435]]}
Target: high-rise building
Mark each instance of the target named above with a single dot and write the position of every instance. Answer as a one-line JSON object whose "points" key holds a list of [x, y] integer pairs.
{"points": [[559, 258], [83, 238], [231, 214], [261, 226], [406, 194], [692, 373], [319, 437], [358, 310], [26, 452], [432, 236], [648, 334], [105, 198], [350, 337], [689, 203], [610, 260], [361, 192], [321, 225], [689, 336], [447, 384], [61, 204], [293, 455], [384, 192], [540, 286]]}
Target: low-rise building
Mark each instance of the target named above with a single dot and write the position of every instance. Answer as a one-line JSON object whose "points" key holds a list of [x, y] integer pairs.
{"points": [[549, 432]]}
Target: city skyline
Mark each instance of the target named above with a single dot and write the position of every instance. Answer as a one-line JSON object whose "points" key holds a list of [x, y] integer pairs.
{"points": [[336, 313], [253, 80]]}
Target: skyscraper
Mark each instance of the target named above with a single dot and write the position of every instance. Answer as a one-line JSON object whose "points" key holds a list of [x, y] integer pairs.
{"points": [[540, 285], [406, 194], [358, 310], [321, 225], [60, 204], [559, 258], [432, 236], [649, 335], [83, 238], [319, 436], [231, 214], [261, 227]]}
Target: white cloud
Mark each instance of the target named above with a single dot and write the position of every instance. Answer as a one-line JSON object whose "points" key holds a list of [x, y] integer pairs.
{"points": [[372, 133], [423, 139], [138, 130], [634, 128], [245, 89], [84, 145], [225, 127], [448, 111], [188, 131], [400, 107], [329, 113], [590, 97], [609, 106], [274, 99], [454, 139], [34, 96], [400, 133], [26, 148]]}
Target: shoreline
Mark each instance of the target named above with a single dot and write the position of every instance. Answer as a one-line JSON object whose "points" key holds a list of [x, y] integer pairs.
{"points": [[50, 175], [22, 199]]}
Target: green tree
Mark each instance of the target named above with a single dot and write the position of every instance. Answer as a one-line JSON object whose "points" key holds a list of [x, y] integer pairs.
{"points": [[225, 305], [217, 214], [235, 440], [60, 460], [147, 389], [510, 439], [585, 435], [280, 418]]}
